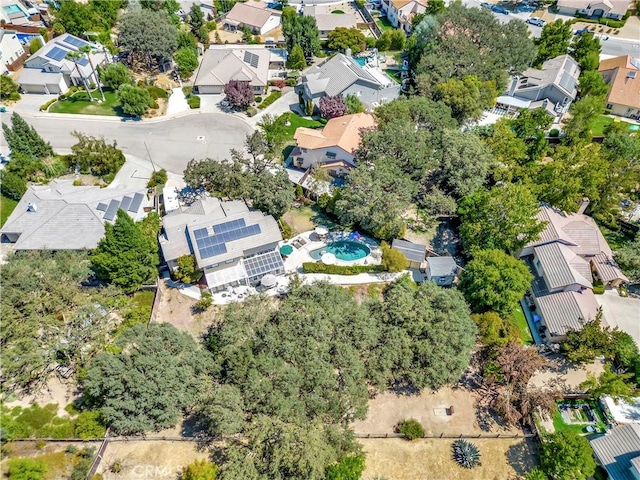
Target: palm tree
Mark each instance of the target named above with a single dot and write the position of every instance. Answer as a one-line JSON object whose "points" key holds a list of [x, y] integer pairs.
{"points": [[86, 49], [74, 57]]}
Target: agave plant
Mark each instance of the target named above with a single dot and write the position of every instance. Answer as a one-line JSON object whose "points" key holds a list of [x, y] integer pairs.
{"points": [[466, 454]]}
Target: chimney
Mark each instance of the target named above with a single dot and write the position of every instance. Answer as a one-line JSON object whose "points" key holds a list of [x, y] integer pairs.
{"points": [[514, 84], [347, 52], [583, 205], [31, 207]]}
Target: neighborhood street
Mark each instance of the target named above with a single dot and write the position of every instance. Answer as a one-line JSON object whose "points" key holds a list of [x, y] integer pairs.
{"points": [[171, 143]]}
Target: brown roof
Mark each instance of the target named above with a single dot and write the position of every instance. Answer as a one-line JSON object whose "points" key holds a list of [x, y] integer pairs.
{"points": [[625, 90], [401, 3], [250, 14], [343, 132], [616, 62]]}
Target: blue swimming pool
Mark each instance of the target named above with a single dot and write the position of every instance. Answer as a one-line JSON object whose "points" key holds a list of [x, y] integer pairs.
{"points": [[361, 60], [343, 250], [13, 8]]}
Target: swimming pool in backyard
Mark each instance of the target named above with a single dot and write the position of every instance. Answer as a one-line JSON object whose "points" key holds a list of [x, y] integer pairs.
{"points": [[343, 250]]}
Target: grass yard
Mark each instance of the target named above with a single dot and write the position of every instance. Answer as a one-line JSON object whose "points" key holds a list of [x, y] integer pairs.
{"points": [[521, 321], [306, 218], [143, 299], [559, 423], [298, 121], [600, 124], [395, 74], [6, 207], [80, 104], [384, 23], [431, 459]]}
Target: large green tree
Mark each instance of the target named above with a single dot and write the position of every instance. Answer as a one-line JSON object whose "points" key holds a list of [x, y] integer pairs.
{"points": [[94, 155], [503, 217], [149, 35], [554, 41], [296, 60], [134, 100], [494, 281], [24, 140], [157, 373], [586, 51], [628, 256], [115, 74], [126, 256], [467, 97], [8, 88], [300, 30], [187, 61], [583, 114], [342, 38], [566, 455]]}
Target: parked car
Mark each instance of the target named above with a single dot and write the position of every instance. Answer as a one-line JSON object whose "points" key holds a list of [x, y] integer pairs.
{"points": [[486, 5], [538, 22], [499, 9], [581, 31]]}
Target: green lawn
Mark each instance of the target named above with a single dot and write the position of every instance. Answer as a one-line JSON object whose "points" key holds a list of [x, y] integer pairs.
{"points": [[80, 104], [559, 424], [395, 74], [384, 24], [521, 321], [143, 298], [6, 207], [600, 124], [298, 121]]}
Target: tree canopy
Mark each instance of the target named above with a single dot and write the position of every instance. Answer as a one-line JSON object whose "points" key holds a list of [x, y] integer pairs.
{"points": [[24, 140], [94, 155], [566, 455], [134, 100], [628, 256], [494, 281], [342, 38], [156, 373], [115, 74], [300, 30], [554, 41], [148, 34]]}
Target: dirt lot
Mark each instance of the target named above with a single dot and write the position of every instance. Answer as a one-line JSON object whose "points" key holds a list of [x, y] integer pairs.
{"points": [[62, 392], [398, 459], [152, 460], [177, 309], [430, 409]]}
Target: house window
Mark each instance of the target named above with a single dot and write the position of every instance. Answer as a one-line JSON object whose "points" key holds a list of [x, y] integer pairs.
{"points": [[441, 279], [303, 150], [331, 155]]}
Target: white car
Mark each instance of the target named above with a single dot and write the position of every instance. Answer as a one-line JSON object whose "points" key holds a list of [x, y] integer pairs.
{"points": [[538, 22]]}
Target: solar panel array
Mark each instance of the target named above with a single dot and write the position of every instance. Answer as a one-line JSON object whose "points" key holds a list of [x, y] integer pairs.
{"points": [[83, 61], [112, 210], [102, 207], [212, 245], [126, 201], [261, 264], [76, 42], [251, 59], [56, 54], [135, 203]]}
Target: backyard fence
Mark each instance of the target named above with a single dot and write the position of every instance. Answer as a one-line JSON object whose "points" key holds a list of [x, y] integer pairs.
{"points": [[448, 435], [375, 28], [156, 302]]}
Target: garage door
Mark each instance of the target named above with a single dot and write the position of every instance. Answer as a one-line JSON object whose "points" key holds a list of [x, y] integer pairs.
{"points": [[210, 89], [33, 88], [54, 88]]}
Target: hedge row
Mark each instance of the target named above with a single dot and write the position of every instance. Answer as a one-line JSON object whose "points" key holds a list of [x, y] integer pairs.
{"points": [[193, 101], [313, 267], [270, 99]]}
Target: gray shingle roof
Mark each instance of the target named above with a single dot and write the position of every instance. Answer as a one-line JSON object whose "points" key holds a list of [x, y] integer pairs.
{"points": [[618, 450], [562, 267], [567, 310], [221, 65], [442, 266], [337, 74], [66, 217], [414, 252]]}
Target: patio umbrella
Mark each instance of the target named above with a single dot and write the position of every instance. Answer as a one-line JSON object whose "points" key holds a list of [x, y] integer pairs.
{"points": [[269, 281], [286, 250], [322, 231], [328, 258]]}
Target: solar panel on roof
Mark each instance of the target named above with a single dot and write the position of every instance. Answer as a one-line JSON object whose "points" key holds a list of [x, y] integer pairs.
{"points": [[212, 245], [56, 54], [112, 210], [213, 251], [83, 61], [102, 207], [251, 59], [126, 201], [200, 233], [76, 42], [135, 204], [265, 263], [227, 226]]}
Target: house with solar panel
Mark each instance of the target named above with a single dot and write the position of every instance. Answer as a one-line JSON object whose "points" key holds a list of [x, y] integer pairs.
{"points": [[61, 216], [49, 71], [233, 244]]}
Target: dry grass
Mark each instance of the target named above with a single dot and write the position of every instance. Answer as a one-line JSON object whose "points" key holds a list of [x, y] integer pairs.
{"points": [[397, 459]]}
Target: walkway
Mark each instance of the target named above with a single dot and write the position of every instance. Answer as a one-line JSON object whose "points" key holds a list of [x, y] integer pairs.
{"points": [[177, 102]]}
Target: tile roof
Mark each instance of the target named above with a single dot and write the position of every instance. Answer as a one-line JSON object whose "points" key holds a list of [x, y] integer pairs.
{"points": [[337, 74], [403, 3], [251, 15], [414, 252], [618, 7], [343, 132], [568, 310], [66, 217], [624, 61], [562, 267], [221, 65], [625, 87], [618, 450]]}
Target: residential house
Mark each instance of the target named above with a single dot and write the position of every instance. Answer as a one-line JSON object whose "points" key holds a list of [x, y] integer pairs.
{"points": [[623, 74], [233, 244], [223, 63], [14, 13], [565, 260], [12, 52], [415, 253], [61, 216], [328, 21], [441, 270], [257, 17], [401, 12], [553, 87], [50, 71], [342, 75], [618, 451], [615, 9]]}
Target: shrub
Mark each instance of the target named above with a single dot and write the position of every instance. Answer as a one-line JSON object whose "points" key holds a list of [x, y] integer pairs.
{"points": [[26, 468], [287, 231], [251, 111], [270, 99], [411, 428], [393, 260], [157, 92], [206, 300], [598, 287], [187, 90], [258, 99], [466, 454], [291, 82], [312, 267], [35, 45], [200, 470], [193, 101], [554, 133], [46, 106], [77, 183], [158, 177]]}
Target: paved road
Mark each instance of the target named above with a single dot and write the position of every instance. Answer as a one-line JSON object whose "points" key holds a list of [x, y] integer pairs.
{"points": [[171, 143]]}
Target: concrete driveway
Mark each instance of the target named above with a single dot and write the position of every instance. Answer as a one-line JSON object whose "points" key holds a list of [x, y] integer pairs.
{"points": [[621, 312]]}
